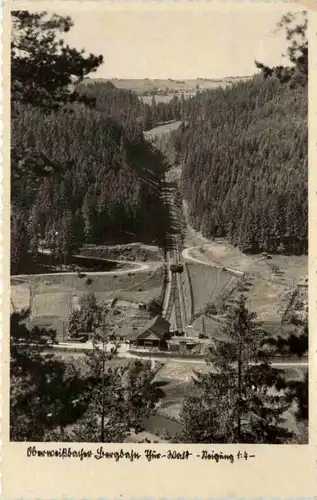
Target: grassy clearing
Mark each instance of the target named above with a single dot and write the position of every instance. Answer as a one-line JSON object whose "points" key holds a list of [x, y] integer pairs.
{"points": [[20, 296], [51, 304], [270, 279], [267, 299], [279, 268], [99, 283], [208, 283], [162, 129], [211, 326], [54, 296], [145, 290]]}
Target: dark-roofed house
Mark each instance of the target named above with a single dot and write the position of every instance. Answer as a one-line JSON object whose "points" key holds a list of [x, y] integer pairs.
{"points": [[154, 334]]}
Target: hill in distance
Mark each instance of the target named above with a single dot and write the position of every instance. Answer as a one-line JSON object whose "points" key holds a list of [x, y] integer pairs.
{"points": [[164, 89]]}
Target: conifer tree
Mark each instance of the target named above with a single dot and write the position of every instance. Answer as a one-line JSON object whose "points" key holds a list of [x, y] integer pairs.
{"points": [[46, 393], [121, 395], [19, 240], [154, 111], [86, 318], [238, 401], [66, 236], [295, 26], [44, 70]]}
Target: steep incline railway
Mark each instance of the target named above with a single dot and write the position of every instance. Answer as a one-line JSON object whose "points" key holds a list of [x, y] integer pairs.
{"points": [[174, 309]]}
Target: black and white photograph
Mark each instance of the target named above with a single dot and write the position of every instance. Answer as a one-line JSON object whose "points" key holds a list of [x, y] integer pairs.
{"points": [[159, 226]]}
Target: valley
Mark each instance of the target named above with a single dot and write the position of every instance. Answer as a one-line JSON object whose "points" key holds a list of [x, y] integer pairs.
{"points": [[159, 251], [212, 272]]}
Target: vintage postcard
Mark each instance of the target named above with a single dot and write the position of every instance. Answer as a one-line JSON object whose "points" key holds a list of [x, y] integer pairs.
{"points": [[158, 279]]}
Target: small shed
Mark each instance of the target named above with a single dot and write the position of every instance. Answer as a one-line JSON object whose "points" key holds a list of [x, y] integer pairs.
{"points": [[154, 334]]}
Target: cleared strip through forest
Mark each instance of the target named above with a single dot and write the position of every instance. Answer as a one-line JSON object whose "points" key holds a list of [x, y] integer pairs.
{"points": [[174, 300]]}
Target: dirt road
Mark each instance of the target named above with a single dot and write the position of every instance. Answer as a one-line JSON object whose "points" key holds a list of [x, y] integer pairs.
{"points": [[138, 267]]}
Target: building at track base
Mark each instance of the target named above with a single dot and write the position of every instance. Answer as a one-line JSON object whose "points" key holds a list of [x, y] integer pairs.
{"points": [[156, 337]]}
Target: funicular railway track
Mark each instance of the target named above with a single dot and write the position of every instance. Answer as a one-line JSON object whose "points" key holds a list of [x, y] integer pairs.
{"points": [[174, 304]]}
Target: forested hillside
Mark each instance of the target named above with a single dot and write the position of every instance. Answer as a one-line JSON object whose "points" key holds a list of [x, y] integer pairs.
{"points": [[244, 154], [126, 106], [101, 188], [244, 158], [81, 169]]}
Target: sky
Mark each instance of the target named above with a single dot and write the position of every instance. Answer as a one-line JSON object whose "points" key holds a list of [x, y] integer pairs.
{"points": [[207, 41]]}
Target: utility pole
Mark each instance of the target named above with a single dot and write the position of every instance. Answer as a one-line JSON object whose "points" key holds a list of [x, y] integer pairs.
{"points": [[102, 434], [204, 326]]}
